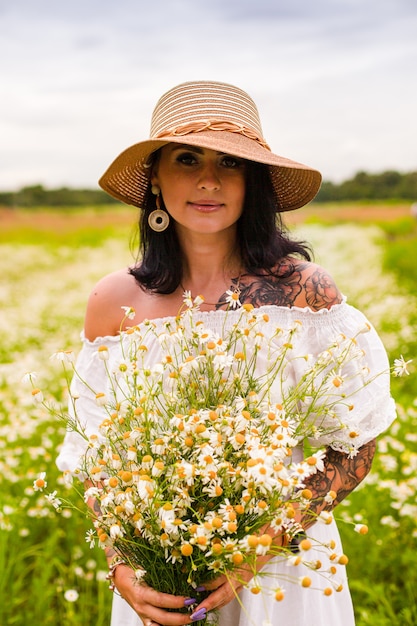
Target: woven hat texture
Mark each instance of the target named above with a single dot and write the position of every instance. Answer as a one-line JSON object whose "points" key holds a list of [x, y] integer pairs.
{"points": [[209, 115]]}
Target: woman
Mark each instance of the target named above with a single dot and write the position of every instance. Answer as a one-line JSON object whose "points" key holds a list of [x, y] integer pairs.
{"points": [[211, 195]]}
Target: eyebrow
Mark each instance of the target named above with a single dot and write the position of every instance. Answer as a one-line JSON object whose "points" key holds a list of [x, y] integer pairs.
{"points": [[184, 146]]}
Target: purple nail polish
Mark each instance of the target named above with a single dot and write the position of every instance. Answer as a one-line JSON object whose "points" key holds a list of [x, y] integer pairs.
{"points": [[200, 614], [189, 601], [200, 588]]}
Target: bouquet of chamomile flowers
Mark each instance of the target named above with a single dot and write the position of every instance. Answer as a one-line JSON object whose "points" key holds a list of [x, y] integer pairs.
{"points": [[193, 469]]}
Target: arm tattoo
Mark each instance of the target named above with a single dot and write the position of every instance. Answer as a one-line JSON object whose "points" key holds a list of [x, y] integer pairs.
{"points": [[96, 508], [341, 474], [321, 291]]}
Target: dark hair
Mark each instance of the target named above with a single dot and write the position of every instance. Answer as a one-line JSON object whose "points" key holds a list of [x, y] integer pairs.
{"points": [[262, 237]]}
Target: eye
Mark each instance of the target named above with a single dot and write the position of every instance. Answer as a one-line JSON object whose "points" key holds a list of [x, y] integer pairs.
{"points": [[186, 158], [231, 162]]}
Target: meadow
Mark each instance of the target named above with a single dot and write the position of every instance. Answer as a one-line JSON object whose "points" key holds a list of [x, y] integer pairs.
{"points": [[49, 261]]}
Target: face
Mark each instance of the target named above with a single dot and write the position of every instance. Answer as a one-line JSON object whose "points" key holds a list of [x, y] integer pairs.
{"points": [[202, 190]]}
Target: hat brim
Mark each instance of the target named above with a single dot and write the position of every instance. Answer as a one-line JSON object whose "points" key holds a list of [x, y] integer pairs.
{"points": [[295, 184]]}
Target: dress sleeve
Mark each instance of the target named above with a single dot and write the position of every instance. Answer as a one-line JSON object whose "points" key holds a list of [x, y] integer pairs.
{"points": [[90, 378], [371, 407]]}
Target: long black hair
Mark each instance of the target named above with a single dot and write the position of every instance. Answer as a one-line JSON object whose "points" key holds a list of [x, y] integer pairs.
{"points": [[261, 236]]}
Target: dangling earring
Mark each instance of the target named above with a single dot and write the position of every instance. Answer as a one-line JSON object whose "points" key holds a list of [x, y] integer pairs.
{"points": [[158, 219]]}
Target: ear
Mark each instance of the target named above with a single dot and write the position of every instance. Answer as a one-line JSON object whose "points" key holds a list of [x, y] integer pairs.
{"points": [[154, 173], [154, 177]]}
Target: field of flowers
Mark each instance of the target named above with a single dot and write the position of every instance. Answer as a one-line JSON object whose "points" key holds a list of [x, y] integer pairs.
{"points": [[48, 265]]}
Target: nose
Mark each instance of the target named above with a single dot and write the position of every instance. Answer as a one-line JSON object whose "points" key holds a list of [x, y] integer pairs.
{"points": [[209, 178]]}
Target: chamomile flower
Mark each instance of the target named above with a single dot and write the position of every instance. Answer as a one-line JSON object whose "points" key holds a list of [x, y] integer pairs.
{"points": [[232, 299], [71, 595], [187, 299], [129, 312], [54, 500], [37, 395], [40, 483], [90, 537], [362, 529], [65, 356], [400, 366], [29, 377], [103, 353], [116, 531]]}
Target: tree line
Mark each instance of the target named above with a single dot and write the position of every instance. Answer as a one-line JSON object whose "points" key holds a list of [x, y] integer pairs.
{"points": [[389, 185], [38, 196]]}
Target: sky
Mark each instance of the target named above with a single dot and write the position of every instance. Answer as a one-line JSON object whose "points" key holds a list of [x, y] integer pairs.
{"points": [[335, 81]]}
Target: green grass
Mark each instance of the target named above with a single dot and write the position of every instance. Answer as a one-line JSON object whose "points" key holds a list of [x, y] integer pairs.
{"points": [[382, 569], [47, 271], [400, 252], [70, 228]]}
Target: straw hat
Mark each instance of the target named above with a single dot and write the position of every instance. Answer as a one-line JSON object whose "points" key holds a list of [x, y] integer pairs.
{"points": [[216, 116]]}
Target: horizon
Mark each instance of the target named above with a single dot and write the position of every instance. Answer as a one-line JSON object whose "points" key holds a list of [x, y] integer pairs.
{"points": [[98, 188]]}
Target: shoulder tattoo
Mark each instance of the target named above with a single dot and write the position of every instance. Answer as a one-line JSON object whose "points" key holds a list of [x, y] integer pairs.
{"points": [[286, 284], [321, 291]]}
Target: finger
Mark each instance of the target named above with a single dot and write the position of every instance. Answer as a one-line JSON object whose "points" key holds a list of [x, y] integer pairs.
{"points": [[220, 596], [149, 604], [216, 583], [149, 611], [159, 617], [154, 598]]}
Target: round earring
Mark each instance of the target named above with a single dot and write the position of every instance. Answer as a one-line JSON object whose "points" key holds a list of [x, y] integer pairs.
{"points": [[156, 190], [158, 220]]}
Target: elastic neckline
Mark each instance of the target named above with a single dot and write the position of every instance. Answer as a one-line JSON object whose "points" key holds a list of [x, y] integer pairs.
{"points": [[322, 316]]}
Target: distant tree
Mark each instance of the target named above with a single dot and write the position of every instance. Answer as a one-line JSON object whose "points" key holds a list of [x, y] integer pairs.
{"points": [[408, 186], [38, 196], [31, 196], [389, 185], [6, 198]]}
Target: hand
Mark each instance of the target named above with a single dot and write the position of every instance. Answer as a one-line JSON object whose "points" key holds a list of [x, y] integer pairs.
{"points": [[227, 588], [224, 590], [148, 603]]}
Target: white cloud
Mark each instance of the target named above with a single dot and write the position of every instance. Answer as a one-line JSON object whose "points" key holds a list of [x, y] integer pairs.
{"points": [[334, 82]]}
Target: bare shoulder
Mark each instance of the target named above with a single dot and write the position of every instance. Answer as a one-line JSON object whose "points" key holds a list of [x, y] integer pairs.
{"points": [[318, 289], [293, 282], [104, 308]]}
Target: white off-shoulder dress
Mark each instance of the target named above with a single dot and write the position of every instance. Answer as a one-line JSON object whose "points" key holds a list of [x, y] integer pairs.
{"points": [[373, 412]]}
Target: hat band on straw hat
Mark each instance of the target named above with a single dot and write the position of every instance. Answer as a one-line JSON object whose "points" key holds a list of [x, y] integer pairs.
{"points": [[219, 125]]}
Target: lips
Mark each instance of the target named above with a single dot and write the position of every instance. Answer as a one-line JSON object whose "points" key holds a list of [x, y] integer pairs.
{"points": [[205, 206]]}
